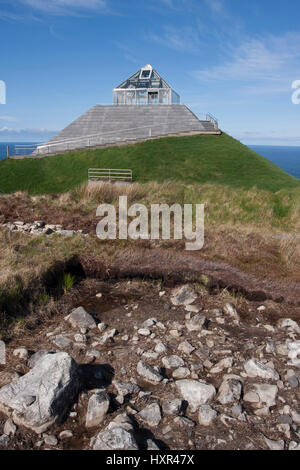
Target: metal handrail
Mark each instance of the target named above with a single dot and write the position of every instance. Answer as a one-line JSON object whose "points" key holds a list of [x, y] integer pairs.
{"points": [[109, 173], [209, 117]]}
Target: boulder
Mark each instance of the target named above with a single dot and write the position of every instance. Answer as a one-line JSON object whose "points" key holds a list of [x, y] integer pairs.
{"points": [[79, 318], [43, 396], [195, 393]]}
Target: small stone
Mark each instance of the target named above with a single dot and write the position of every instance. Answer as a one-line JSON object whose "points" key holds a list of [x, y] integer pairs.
{"points": [[293, 381], [172, 407], [144, 332], [176, 333], [285, 419], [230, 390], [186, 348], [231, 311], [160, 348], [80, 338], [274, 445], [93, 353], [101, 327], [4, 440], [22, 353], [126, 388], [195, 393], [172, 362], [79, 318], [97, 409], [184, 422], [50, 440], [221, 365], [183, 295], [9, 428], [67, 434], [148, 372], [148, 323], [254, 368], [181, 373], [61, 341], [151, 414], [197, 323], [206, 415]]}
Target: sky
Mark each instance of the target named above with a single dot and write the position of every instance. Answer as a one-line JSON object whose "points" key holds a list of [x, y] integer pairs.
{"points": [[235, 59]]}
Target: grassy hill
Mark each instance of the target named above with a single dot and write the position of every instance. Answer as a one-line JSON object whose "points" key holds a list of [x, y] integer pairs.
{"points": [[192, 159]]}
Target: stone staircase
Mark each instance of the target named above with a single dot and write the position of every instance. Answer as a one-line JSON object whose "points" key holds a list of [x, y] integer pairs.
{"points": [[110, 125]]}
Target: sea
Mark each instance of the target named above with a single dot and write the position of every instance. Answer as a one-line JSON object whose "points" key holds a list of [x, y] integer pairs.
{"points": [[29, 147], [287, 158]]}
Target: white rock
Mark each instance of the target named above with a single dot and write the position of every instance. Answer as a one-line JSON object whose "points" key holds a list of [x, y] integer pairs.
{"points": [[40, 398], [261, 395], [206, 415], [181, 373], [97, 409], [148, 372], [22, 353], [274, 445], [221, 365], [151, 414], [172, 362], [230, 390], [183, 295], [290, 324], [79, 318], [197, 323], [195, 393], [144, 332], [9, 428], [186, 347], [160, 348], [254, 368], [231, 311]]}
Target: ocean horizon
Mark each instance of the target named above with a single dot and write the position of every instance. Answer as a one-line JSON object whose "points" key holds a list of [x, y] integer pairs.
{"points": [[286, 157]]}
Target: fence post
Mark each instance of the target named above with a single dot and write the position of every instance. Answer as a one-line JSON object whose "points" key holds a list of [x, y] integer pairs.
{"points": [[7, 151]]}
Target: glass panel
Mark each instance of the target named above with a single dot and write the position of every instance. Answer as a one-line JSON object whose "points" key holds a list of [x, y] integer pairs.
{"points": [[142, 97], [145, 73]]}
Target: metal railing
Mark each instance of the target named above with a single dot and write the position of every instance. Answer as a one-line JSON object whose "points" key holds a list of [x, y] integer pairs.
{"points": [[109, 174], [213, 120], [23, 150]]}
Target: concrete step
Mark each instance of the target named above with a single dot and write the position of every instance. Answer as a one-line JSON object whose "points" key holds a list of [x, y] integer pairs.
{"points": [[102, 125]]}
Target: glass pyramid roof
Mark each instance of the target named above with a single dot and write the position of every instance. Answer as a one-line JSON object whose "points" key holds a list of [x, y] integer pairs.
{"points": [[146, 77]]}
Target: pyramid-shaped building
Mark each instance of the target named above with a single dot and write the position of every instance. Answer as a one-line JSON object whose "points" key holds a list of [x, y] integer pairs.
{"points": [[144, 106]]}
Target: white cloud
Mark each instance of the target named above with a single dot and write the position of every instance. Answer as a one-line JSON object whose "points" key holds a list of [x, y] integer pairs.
{"points": [[8, 118], [61, 7], [180, 39], [270, 59], [216, 6]]}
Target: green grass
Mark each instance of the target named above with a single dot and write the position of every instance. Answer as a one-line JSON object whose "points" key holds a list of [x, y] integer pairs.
{"points": [[192, 159]]}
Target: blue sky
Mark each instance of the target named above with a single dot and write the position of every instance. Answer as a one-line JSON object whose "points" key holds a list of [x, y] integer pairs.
{"points": [[236, 59]]}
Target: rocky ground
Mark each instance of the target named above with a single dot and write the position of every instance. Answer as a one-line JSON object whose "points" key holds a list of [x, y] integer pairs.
{"points": [[135, 366]]}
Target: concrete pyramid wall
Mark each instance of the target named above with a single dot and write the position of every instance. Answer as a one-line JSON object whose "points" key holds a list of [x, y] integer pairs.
{"points": [[109, 125]]}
